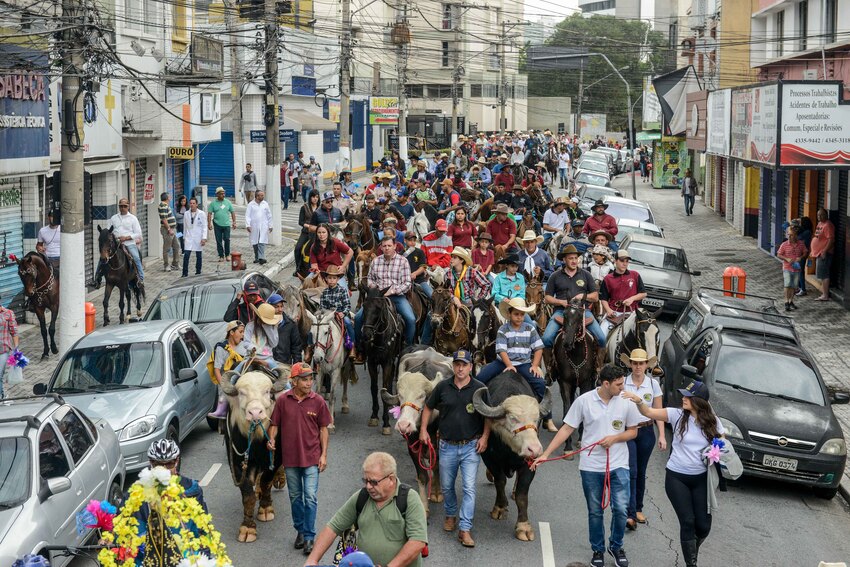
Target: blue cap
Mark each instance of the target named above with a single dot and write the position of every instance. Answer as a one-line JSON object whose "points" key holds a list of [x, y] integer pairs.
{"points": [[577, 222], [463, 355], [274, 299], [356, 559], [695, 389]]}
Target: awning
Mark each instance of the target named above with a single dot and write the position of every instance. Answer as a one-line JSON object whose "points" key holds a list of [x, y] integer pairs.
{"points": [[647, 136], [305, 120], [105, 166]]}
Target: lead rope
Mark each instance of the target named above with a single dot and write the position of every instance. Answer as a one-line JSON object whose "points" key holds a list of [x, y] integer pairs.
{"points": [[251, 430], [606, 484]]}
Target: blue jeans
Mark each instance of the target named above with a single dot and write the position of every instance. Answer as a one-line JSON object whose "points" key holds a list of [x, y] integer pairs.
{"points": [[198, 261], [259, 251], [496, 367], [592, 483], [426, 287], [349, 327], [222, 240], [562, 173], [285, 195], [303, 485], [402, 306], [463, 458], [3, 358], [553, 327], [689, 204], [640, 449], [134, 252]]}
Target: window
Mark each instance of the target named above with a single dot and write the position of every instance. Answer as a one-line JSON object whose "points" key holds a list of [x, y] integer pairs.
{"points": [[688, 324], [52, 460], [193, 343], [416, 91], [14, 470], [447, 23], [830, 20], [151, 16], [493, 57], [445, 54], [179, 360], [702, 356], [803, 24], [74, 431], [780, 32], [111, 367], [180, 26], [133, 14], [475, 91]]}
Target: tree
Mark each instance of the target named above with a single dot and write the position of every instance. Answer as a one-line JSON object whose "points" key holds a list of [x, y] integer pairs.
{"points": [[629, 43]]}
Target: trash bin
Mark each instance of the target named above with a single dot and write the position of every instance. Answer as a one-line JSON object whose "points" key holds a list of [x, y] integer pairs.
{"points": [[236, 263], [91, 313], [735, 280]]}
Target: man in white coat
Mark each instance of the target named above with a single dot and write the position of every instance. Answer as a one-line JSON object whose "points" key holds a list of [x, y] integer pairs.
{"points": [[195, 232], [258, 222]]}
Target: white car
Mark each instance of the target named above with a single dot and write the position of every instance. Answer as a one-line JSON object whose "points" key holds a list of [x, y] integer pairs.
{"points": [[631, 226], [622, 208]]}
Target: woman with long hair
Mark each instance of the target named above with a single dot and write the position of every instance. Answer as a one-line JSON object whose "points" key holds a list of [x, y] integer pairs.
{"points": [[327, 250], [304, 215], [180, 208], [695, 429], [461, 230]]}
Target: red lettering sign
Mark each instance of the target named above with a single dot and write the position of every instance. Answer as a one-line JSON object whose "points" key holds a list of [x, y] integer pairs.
{"points": [[22, 85]]}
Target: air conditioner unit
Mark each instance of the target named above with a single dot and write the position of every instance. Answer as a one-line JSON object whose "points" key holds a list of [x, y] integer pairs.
{"points": [[810, 75]]}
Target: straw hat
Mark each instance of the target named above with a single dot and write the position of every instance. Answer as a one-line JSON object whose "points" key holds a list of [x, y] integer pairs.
{"points": [[517, 303], [463, 254], [386, 175], [266, 314], [540, 164], [482, 159], [638, 355], [530, 235]]}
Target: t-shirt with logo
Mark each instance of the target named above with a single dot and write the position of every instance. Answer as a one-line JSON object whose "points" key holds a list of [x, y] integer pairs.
{"points": [[686, 452], [221, 212], [601, 419], [648, 391]]}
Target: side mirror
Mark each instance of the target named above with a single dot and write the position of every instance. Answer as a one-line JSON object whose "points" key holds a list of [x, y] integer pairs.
{"points": [[186, 374], [840, 398], [39, 389], [54, 486], [691, 372]]}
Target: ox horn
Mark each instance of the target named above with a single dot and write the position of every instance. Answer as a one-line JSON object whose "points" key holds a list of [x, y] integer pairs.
{"points": [[282, 372], [389, 399], [226, 383], [485, 409], [546, 403]]}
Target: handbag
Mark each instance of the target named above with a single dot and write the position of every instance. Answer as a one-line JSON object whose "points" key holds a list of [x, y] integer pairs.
{"points": [[15, 375]]}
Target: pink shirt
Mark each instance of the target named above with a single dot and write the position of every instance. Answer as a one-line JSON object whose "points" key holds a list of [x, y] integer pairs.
{"points": [[788, 250]]}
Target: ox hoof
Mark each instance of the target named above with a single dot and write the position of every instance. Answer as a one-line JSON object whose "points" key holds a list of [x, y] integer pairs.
{"points": [[386, 431], [489, 476], [265, 514], [436, 498], [499, 513], [247, 535], [344, 409], [524, 532], [373, 422]]}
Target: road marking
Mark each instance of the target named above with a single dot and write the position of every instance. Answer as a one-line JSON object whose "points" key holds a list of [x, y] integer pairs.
{"points": [[214, 469], [546, 544]]}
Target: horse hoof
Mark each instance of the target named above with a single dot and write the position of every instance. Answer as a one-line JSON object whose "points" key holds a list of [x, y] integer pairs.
{"points": [[436, 498], [489, 476], [386, 431], [344, 409], [499, 513], [247, 535], [266, 514], [373, 422], [523, 531], [279, 480]]}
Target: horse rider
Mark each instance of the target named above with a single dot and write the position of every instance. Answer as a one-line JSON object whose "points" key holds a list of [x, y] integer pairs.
{"points": [[576, 237], [349, 187], [600, 220], [501, 165], [422, 174], [388, 228], [621, 291], [573, 210], [467, 284], [509, 283], [342, 201], [48, 241], [505, 176], [390, 273], [127, 231], [535, 262], [598, 238], [438, 245], [517, 158], [554, 220]]}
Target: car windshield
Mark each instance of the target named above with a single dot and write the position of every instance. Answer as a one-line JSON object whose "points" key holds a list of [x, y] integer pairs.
{"points": [[15, 462], [200, 304], [596, 193], [658, 256], [112, 367], [769, 373], [594, 165], [623, 211], [624, 229], [585, 177]]}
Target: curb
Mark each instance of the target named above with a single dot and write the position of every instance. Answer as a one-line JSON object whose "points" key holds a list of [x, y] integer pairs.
{"points": [[280, 265]]}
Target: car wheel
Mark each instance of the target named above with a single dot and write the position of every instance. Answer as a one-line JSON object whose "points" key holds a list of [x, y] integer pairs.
{"points": [[171, 433], [116, 494], [825, 493]]}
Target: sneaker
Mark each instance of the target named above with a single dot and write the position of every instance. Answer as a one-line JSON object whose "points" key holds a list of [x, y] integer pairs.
{"points": [[168, 268], [787, 307], [598, 559], [619, 556], [801, 293]]}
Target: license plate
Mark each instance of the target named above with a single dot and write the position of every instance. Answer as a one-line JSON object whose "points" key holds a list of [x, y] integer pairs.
{"points": [[649, 302], [779, 463]]}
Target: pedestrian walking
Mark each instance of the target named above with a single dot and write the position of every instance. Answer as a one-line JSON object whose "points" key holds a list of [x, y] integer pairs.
{"points": [[695, 429], [640, 448], [258, 223], [463, 436], [610, 422], [689, 191], [48, 242], [301, 417], [392, 528], [180, 208], [168, 231], [8, 343], [823, 244], [248, 183], [221, 217], [792, 252], [194, 237]]}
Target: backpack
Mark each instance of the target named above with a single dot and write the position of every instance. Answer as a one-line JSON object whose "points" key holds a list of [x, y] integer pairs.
{"points": [[233, 359], [400, 503]]}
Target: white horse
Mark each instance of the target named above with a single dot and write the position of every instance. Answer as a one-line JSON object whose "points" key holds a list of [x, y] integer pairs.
{"points": [[420, 224], [329, 357]]}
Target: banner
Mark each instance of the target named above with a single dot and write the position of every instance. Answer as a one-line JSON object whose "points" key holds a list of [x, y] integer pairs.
{"points": [[383, 110], [673, 90], [651, 115], [670, 159], [815, 125], [150, 188], [333, 110], [753, 124], [717, 131]]}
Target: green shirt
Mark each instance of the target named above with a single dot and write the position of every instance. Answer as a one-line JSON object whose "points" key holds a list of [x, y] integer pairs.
{"points": [[382, 533], [221, 211]]}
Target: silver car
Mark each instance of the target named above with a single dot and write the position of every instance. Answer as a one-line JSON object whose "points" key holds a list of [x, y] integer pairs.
{"points": [[149, 380], [53, 461], [663, 267]]}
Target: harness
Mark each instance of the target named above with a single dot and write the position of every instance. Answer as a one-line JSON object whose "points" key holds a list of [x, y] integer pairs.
{"points": [[325, 346], [41, 291], [244, 455]]}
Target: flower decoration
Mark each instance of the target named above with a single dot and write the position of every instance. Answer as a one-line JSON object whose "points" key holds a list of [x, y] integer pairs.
{"points": [[97, 515], [18, 359], [714, 451], [395, 411]]}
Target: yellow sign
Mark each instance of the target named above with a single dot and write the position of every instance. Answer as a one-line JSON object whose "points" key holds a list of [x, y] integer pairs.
{"points": [[181, 153]]}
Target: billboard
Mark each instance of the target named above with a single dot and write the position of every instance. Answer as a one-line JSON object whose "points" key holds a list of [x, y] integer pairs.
{"points": [[592, 125], [24, 110], [754, 120], [815, 126], [717, 130], [102, 118], [383, 110], [651, 115]]}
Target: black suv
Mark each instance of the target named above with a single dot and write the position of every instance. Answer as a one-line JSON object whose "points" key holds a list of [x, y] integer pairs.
{"points": [[764, 386]]}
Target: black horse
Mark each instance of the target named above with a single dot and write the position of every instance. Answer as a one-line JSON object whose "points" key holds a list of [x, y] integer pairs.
{"points": [[41, 287], [119, 271], [382, 341]]}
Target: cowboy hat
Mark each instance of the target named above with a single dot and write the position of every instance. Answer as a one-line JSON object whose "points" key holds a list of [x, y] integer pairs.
{"points": [[503, 156], [482, 159], [266, 313], [540, 164], [219, 190], [509, 259], [485, 236], [476, 166], [333, 270], [530, 235], [559, 201], [463, 254], [517, 303], [502, 208], [443, 155], [568, 249], [638, 355], [385, 175], [606, 234], [599, 203]]}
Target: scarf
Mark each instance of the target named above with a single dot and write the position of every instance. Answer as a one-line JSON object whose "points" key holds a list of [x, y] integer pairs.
{"points": [[460, 293]]}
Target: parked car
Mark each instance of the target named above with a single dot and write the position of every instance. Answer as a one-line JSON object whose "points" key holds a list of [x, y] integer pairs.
{"points": [[598, 166], [663, 266], [589, 178], [765, 387], [622, 208], [149, 380], [53, 461], [630, 226], [589, 194], [615, 157]]}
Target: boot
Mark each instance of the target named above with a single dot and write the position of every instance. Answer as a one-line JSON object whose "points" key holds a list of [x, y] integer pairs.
{"points": [[689, 550], [220, 410]]}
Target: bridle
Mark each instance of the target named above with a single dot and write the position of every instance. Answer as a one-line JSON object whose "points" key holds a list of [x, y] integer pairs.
{"points": [[40, 291], [579, 335], [387, 322], [326, 346]]}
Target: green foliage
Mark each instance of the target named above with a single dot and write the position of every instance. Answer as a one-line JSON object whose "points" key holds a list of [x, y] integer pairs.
{"points": [[624, 42]]}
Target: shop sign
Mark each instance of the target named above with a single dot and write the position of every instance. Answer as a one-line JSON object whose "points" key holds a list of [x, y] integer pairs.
{"points": [[717, 131], [754, 121], [24, 110], [187, 153], [333, 110], [815, 126], [670, 160], [150, 188], [383, 110]]}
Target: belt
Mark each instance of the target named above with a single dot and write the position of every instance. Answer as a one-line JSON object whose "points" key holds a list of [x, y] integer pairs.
{"points": [[644, 424], [463, 442]]}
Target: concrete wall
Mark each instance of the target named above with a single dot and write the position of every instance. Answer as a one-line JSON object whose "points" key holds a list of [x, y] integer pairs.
{"points": [[547, 112]]}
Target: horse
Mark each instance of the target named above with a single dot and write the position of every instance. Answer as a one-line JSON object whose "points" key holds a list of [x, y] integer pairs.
{"points": [[382, 341], [574, 354], [552, 162], [486, 328], [420, 224], [330, 357], [41, 287], [450, 323], [637, 330], [120, 271], [535, 295], [518, 171], [360, 238]]}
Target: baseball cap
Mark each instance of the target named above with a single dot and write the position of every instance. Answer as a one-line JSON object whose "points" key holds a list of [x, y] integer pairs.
{"points": [[328, 196], [274, 299], [441, 224], [251, 287], [695, 389], [300, 369], [463, 355], [622, 253], [577, 222]]}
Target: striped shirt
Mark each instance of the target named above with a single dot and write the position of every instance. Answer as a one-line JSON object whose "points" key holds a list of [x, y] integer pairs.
{"points": [[518, 343], [165, 214], [8, 330], [392, 274]]}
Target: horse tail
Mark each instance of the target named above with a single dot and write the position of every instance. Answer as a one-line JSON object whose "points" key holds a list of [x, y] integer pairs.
{"points": [[140, 289]]}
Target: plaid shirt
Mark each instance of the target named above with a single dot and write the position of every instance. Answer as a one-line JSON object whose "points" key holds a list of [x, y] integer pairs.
{"points": [[475, 285], [336, 298], [393, 274], [8, 330]]}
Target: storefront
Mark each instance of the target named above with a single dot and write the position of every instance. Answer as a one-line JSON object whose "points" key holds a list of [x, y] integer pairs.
{"points": [[670, 159]]}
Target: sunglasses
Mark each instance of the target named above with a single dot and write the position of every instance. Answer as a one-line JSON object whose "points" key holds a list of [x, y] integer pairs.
{"points": [[374, 483]]}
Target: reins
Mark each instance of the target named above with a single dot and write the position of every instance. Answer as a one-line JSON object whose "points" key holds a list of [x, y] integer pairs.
{"points": [[606, 485]]}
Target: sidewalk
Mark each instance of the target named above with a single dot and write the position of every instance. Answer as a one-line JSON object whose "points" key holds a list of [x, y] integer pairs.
{"points": [[712, 244]]}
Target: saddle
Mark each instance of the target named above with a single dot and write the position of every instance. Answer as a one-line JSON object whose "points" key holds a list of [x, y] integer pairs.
{"points": [[618, 319]]}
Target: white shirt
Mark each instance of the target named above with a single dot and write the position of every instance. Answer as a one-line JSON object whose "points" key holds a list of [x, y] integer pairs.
{"points": [[564, 160], [600, 420], [126, 225], [686, 453], [517, 157], [258, 217], [50, 237], [556, 220], [648, 391], [194, 230]]}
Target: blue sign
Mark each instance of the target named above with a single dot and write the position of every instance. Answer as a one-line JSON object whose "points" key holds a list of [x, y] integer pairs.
{"points": [[309, 70], [24, 103], [286, 136]]}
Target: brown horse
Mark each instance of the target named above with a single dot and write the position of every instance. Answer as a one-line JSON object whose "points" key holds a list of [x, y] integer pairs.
{"points": [[535, 295], [450, 323], [120, 272], [360, 238], [41, 287]]}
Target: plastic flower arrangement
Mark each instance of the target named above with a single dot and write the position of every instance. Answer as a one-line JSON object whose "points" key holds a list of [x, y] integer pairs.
{"points": [[714, 451], [97, 515], [179, 532], [18, 359]]}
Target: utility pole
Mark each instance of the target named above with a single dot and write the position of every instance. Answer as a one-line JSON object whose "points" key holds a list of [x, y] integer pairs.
{"points": [[401, 37], [580, 100], [456, 69], [237, 85], [271, 120], [503, 86], [345, 90], [72, 288]]}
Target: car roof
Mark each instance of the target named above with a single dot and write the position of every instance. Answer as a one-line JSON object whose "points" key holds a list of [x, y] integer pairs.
{"points": [[592, 172], [638, 224], [762, 341], [14, 411], [625, 201], [143, 331], [610, 190], [654, 241], [754, 314], [206, 279]]}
